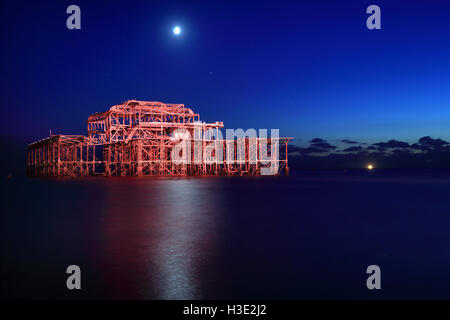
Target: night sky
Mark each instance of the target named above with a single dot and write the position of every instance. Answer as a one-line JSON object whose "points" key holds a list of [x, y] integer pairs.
{"points": [[310, 68]]}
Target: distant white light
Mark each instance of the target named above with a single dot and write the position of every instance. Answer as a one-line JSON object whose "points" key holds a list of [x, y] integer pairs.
{"points": [[176, 30], [370, 166]]}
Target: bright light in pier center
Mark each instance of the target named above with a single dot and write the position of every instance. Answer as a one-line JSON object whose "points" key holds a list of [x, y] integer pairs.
{"points": [[370, 166], [176, 30]]}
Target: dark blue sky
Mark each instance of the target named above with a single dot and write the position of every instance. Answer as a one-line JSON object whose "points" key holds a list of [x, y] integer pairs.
{"points": [[310, 68]]}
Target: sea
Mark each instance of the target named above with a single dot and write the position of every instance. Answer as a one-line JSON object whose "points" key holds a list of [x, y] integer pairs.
{"points": [[309, 235]]}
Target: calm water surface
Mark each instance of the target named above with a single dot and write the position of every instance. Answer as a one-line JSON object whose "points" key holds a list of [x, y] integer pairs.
{"points": [[309, 235]]}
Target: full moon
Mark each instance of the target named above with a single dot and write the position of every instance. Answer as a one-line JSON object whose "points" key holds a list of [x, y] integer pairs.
{"points": [[176, 30]]}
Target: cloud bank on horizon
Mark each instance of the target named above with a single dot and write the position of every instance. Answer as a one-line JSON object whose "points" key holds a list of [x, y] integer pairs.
{"points": [[427, 152]]}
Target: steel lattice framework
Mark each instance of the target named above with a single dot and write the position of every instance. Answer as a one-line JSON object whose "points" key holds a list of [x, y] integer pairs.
{"points": [[140, 138]]}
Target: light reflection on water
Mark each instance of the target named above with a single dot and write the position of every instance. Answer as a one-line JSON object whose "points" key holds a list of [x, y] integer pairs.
{"points": [[164, 231], [188, 234]]}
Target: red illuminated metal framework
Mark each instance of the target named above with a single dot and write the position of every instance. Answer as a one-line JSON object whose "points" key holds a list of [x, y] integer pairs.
{"points": [[136, 138]]}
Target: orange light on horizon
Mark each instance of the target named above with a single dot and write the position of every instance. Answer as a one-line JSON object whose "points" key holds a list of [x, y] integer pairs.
{"points": [[370, 166]]}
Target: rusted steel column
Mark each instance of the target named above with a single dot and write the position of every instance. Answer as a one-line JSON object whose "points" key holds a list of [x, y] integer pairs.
{"points": [[58, 164], [139, 157], [106, 159]]}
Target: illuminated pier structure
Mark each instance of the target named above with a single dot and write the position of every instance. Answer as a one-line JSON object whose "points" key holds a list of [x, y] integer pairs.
{"points": [[144, 138]]}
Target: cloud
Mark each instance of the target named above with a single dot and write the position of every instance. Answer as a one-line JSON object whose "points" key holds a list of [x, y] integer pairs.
{"points": [[427, 144], [391, 144], [320, 143], [354, 149], [317, 140], [432, 142], [313, 149], [435, 153], [348, 141], [324, 145], [418, 146], [293, 148], [306, 151], [317, 145], [398, 152]]}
